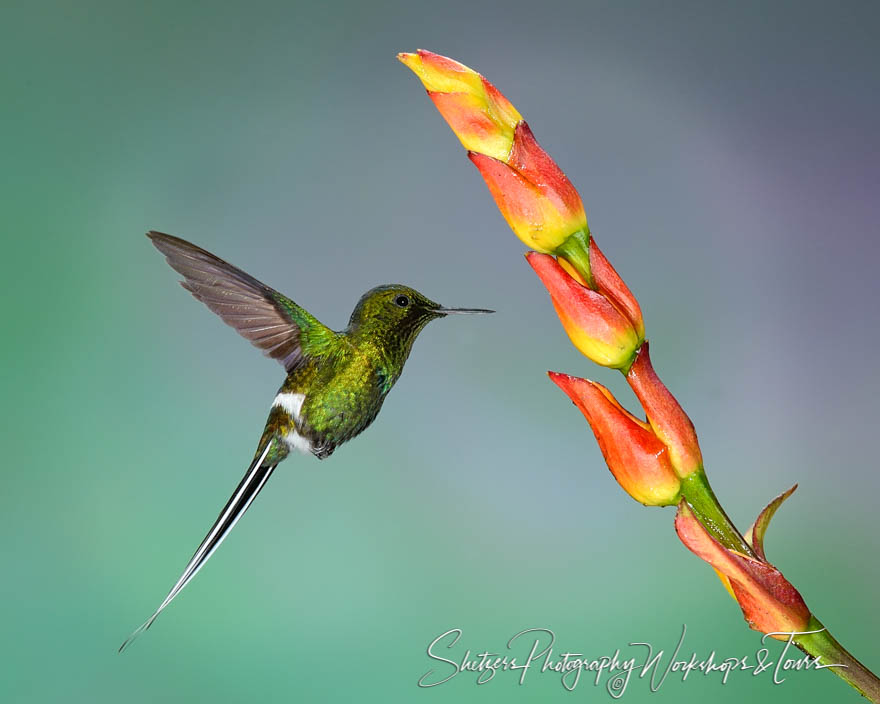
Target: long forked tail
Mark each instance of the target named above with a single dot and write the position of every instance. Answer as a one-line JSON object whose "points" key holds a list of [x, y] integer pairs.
{"points": [[254, 480]]}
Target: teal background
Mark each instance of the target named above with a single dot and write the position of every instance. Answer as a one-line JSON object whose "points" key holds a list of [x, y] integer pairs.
{"points": [[728, 157]]}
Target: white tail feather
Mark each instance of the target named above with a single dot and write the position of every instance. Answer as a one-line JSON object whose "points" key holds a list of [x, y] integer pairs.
{"points": [[235, 508]]}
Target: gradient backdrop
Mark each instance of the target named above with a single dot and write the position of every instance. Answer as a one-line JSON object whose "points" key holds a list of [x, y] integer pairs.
{"points": [[728, 157]]}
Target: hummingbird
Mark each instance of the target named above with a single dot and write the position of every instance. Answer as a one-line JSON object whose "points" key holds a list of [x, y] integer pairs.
{"points": [[336, 381]]}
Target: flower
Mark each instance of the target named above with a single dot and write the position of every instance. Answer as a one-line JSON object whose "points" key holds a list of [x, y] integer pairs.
{"points": [[531, 191], [638, 460], [769, 602], [482, 118], [539, 203], [593, 323], [608, 282]]}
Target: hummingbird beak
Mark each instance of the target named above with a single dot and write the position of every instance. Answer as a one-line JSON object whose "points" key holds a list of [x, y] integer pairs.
{"points": [[461, 311]]}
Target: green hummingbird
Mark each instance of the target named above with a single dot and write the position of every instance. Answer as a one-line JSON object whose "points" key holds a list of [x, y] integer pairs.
{"points": [[336, 381]]}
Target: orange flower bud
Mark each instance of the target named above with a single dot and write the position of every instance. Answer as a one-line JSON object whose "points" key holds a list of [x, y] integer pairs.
{"points": [[531, 191], [666, 416], [769, 602], [482, 118], [594, 325], [539, 203], [635, 456]]}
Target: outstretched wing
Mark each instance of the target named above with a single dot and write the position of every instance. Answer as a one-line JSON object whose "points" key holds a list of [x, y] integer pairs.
{"points": [[271, 321]]}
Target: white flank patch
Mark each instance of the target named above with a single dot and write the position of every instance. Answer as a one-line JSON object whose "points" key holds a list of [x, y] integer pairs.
{"points": [[290, 402], [295, 441]]}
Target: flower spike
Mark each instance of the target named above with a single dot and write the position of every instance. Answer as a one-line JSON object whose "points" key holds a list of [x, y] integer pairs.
{"points": [[658, 461]]}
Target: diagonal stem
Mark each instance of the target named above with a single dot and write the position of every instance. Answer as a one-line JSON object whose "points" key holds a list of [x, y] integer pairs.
{"points": [[695, 488], [819, 642]]}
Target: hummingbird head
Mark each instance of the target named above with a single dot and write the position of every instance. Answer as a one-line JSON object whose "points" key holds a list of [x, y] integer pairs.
{"points": [[394, 315]]}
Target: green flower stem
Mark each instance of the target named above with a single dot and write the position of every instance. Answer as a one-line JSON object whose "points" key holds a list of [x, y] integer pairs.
{"points": [[821, 643], [818, 641], [576, 250], [695, 488], [632, 360]]}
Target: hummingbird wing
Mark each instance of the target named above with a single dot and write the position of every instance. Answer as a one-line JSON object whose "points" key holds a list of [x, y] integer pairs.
{"points": [[271, 321], [251, 485]]}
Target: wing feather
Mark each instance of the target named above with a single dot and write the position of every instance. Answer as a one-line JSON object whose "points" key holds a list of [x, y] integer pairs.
{"points": [[272, 322]]}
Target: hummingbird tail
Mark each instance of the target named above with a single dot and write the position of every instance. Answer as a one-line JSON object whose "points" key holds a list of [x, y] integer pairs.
{"points": [[251, 485]]}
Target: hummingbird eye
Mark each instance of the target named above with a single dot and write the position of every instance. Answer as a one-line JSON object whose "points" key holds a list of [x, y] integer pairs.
{"points": [[402, 301]]}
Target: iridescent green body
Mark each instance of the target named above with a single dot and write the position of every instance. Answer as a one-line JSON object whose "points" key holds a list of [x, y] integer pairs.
{"points": [[346, 375], [336, 381]]}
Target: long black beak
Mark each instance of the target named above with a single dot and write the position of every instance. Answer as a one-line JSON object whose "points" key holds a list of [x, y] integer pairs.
{"points": [[461, 311]]}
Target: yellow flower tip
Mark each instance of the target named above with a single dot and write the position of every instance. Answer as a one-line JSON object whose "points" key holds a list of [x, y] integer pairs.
{"points": [[442, 75], [481, 117]]}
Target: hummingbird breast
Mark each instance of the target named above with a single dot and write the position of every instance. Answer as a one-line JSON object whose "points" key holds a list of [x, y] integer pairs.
{"points": [[321, 406]]}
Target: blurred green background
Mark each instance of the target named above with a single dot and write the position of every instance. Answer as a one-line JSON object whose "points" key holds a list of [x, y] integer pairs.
{"points": [[728, 157]]}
